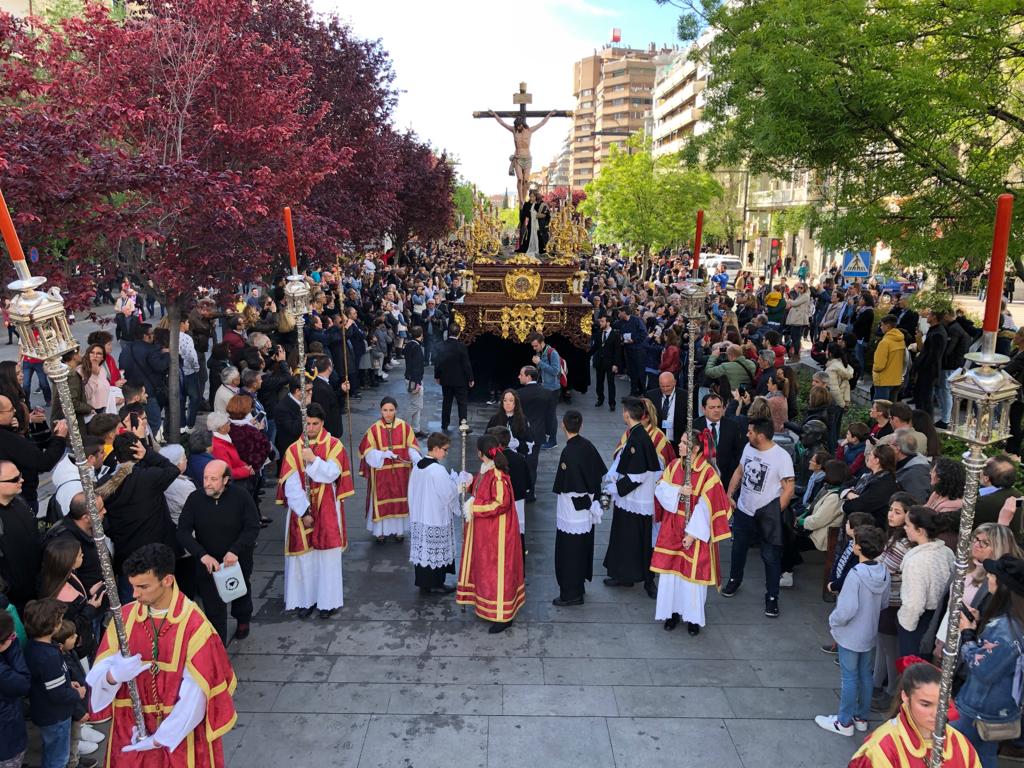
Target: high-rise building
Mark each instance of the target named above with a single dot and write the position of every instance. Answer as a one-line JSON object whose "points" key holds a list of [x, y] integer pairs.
{"points": [[21, 7], [613, 89], [678, 99]]}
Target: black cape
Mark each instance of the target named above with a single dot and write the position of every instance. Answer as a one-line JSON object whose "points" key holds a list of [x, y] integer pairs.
{"points": [[580, 468], [638, 455]]}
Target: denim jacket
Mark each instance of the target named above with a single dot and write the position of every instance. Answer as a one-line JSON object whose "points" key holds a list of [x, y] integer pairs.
{"points": [[994, 666]]}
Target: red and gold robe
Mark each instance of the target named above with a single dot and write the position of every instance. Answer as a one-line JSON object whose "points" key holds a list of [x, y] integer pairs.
{"points": [[699, 564], [662, 446], [187, 641], [491, 574], [897, 743], [388, 490], [329, 531]]}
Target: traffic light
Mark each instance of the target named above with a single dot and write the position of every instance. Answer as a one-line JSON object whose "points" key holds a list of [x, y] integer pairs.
{"points": [[776, 245]]}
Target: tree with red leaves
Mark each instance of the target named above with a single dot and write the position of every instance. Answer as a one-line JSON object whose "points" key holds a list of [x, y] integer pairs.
{"points": [[427, 183], [556, 197]]}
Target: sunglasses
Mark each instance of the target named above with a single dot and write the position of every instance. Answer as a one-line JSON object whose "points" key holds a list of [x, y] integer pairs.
{"points": [[15, 479]]}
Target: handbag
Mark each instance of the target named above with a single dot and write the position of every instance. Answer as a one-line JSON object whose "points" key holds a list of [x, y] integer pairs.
{"points": [[230, 582], [998, 731]]}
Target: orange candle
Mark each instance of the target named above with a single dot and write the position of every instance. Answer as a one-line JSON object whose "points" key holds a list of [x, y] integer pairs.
{"points": [[696, 241], [291, 240], [997, 270], [10, 235]]}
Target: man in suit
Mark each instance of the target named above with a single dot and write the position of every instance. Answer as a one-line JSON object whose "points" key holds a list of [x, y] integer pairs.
{"points": [[606, 347], [671, 404], [452, 370], [325, 396], [414, 378], [634, 340], [535, 401], [997, 481], [727, 437], [288, 417]]}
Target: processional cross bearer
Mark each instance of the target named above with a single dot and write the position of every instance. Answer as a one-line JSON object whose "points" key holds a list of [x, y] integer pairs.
{"points": [[521, 161]]}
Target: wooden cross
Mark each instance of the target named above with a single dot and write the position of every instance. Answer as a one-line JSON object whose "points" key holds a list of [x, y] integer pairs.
{"points": [[522, 99]]}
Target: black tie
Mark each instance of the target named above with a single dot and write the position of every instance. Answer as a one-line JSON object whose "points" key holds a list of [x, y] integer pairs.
{"points": [[714, 433], [664, 407]]}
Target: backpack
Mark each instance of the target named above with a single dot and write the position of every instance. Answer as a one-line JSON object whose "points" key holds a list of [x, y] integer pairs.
{"points": [[563, 369]]}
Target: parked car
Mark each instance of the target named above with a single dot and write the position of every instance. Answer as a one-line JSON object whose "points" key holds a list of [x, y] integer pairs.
{"points": [[733, 264]]}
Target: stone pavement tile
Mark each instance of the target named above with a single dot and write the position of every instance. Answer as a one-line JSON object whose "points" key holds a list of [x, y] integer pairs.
{"points": [[671, 701], [782, 703], [697, 672], [471, 639], [645, 742], [651, 641], [559, 700], [334, 698], [789, 743], [781, 640], [571, 640], [256, 697], [386, 638], [281, 668], [530, 742], [607, 613], [445, 700], [509, 670], [290, 636], [810, 673], [425, 741], [596, 672], [232, 740], [383, 669], [307, 740], [426, 609]]}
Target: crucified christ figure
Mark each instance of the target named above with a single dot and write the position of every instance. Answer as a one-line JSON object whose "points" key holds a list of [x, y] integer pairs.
{"points": [[521, 161]]}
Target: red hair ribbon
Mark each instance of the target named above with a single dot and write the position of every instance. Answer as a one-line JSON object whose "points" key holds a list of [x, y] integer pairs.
{"points": [[492, 452]]}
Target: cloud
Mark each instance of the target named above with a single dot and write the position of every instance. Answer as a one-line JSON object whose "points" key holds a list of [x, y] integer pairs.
{"points": [[582, 6], [471, 56]]}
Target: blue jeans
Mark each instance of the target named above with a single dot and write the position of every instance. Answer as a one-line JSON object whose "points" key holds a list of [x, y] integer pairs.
{"points": [[944, 396], [27, 369], [56, 744], [744, 533], [153, 412], [988, 751], [856, 669], [190, 391], [858, 353], [884, 393]]}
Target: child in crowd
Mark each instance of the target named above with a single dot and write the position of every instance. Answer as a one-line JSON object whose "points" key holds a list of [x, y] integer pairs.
{"points": [[854, 626], [851, 450], [15, 681], [53, 695], [67, 638], [843, 560]]}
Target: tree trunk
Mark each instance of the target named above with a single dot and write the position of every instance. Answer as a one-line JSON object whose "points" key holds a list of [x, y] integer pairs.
{"points": [[172, 431]]}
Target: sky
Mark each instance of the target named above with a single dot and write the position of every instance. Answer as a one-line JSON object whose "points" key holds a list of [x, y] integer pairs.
{"points": [[454, 57]]}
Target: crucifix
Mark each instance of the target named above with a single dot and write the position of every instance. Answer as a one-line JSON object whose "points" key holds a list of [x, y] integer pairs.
{"points": [[521, 160]]}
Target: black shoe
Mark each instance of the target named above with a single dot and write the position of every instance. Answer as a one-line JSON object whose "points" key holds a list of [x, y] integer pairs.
{"points": [[444, 589], [87, 761], [242, 631], [672, 622], [693, 629], [610, 582], [941, 425], [831, 648], [328, 614], [563, 603], [305, 613], [651, 589], [611, 407], [771, 608], [499, 627], [599, 403], [881, 703], [731, 588]]}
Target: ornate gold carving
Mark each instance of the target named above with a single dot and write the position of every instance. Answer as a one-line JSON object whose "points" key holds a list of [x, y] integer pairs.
{"points": [[587, 324], [524, 258], [460, 319], [482, 234], [521, 321], [522, 284], [569, 238]]}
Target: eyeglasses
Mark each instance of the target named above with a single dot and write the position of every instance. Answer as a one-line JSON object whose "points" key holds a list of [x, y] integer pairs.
{"points": [[981, 542], [15, 479]]}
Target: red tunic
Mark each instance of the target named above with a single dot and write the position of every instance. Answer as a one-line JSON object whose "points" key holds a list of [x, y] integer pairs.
{"points": [[388, 492], [328, 517], [187, 641], [896, 743], [491, 574], [700, 563]]}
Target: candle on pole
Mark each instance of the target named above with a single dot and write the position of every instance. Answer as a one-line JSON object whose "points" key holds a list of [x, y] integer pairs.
{"points": [[290, 235], [696, 241], [997, 270], [10, 236]]}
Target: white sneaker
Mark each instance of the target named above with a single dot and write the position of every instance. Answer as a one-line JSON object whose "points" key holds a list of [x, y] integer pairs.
{"points": [[860, 725], [91, 734], [831, 724], [786, 580], [87, 747]]}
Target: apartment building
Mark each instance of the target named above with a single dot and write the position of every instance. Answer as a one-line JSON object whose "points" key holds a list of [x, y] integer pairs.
{"points": [[678, 99]]}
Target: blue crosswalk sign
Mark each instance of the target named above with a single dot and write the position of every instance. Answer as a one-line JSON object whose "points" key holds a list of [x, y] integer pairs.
{"points": [[857, 263]]}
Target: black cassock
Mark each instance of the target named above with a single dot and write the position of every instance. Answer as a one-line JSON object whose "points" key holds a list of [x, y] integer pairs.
{"points": [[630, 546], [524, 227], [580, 470]]}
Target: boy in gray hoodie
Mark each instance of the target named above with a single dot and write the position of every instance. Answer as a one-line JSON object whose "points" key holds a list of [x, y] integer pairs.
{"points": [[854, 625]]}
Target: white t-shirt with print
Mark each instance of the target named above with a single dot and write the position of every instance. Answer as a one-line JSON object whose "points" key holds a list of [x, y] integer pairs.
{"points": [[763, 473]]}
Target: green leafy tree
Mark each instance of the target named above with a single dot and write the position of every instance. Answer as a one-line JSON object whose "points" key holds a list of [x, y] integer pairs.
{"points": [[646, 203], [462, 199], [911, 113]]}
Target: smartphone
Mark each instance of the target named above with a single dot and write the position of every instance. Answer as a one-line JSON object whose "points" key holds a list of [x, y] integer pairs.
{"points": [[134, 420]]}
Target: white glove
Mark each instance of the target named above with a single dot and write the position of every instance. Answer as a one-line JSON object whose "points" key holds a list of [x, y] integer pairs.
{"points": [[529, 447], [465, 478], [390, 455], [467, 509], [124, 669], [140, 745], [513, 444], [596, 513]]}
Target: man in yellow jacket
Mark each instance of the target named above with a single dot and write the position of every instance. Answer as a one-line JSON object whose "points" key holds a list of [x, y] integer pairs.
{"points": [[890, 356]]}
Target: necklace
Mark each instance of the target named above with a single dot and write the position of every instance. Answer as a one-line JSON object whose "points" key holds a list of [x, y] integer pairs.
{"points": [[155, 633]]}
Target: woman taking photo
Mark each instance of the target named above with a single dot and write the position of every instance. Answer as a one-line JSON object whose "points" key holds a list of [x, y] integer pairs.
{"points": [[927, 569], [989, 700], [873, 490], [96, 380]]}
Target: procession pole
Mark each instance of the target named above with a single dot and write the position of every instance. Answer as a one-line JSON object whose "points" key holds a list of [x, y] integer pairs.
{"points": [[45, 334], [463, 431], [693, 305], [297, 296]]}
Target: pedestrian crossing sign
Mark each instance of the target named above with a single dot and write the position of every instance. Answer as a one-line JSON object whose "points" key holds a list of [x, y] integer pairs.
{"points": [[857, 263]]}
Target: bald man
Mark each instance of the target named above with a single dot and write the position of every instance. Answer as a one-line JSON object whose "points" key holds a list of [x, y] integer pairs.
{"points": [[31, 461], [671, 404], [219, 527], [19, 539]]}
